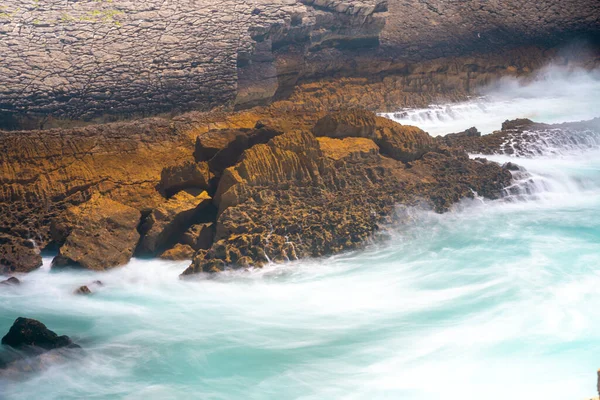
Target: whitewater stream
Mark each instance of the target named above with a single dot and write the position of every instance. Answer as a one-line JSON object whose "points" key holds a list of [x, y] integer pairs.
{"points": [[494, 300]]}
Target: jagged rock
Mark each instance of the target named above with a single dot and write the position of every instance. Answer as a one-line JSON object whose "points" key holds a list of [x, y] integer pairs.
{"points": [[168, 222], [102, 233], [300, 196], [400, 142], [84, 290], [12, 281], [223, 148], [186, 175], [18, 255], [178, 252], [29, 332], [199, 236]]}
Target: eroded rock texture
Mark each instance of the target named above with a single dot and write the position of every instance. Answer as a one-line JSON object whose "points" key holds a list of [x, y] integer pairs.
{"points": [[95, 59], [300, 195]]}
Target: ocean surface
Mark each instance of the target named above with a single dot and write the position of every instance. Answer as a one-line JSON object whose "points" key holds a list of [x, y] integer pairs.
{"points": [[494, 300]]}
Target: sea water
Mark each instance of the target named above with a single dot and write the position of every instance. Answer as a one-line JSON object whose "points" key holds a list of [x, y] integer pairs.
{"points": [[493, 300]]}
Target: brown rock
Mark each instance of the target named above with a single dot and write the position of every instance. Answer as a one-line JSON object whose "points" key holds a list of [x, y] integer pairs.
{"points": [[178, 252], [186, 175], [199, 236], [223, 148], [400, 142], [349, 148], [167, 223], [83, 290], [29, 332], [18, 255], [102, 234]]}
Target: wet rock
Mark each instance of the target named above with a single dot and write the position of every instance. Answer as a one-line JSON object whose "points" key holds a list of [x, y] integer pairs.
{"points": [[84, 290], [167, 223], [29, 332], [184, 176], [102, 234], [12, 281], [18, 255]]}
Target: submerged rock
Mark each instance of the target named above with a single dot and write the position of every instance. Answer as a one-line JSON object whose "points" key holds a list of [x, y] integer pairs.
{"points": [[12, 281], [30, 332], [100, 234], [83, 290]]}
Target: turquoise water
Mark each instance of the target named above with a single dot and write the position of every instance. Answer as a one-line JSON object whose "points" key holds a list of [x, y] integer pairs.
{"points": [[494, 300]]}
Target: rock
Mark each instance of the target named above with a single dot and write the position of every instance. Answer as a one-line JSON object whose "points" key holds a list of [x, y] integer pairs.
{"points": [[18, 255], [165, 225], [178, 252], [83, 290], [348, 149], [199, 236], [12, 281], [29, 332], [186, 175], [223, 148], [300, 196], [400, 142], [102, 234]]}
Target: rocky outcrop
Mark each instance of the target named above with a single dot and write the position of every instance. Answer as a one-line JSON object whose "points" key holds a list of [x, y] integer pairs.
{"points": [[302, 196], [98, 234], [106, 59], [28, 332], [168, 222]]}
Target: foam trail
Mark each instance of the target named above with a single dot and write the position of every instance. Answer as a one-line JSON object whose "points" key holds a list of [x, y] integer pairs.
{"points": [[555, 94]]}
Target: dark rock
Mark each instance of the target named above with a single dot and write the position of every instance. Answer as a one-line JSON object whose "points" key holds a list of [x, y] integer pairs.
{"points": [[511, 166], [29, 332], [12, 281], [83, 290]]}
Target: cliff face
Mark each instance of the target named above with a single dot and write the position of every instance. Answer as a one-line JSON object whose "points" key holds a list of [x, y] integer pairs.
{"points": [[89, 59]]}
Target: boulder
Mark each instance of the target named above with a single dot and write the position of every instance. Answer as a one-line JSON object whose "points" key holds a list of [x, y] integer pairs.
{"points": [[12, 281], [18, 255], [188, 174], [165, 225], [30, 332], [101, 234]]}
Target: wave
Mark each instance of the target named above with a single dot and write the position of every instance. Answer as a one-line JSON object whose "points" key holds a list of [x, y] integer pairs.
{"points": [[555, 94]]}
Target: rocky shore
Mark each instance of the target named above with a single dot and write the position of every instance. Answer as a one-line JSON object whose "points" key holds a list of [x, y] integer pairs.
{"points": [[254, 187]]}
